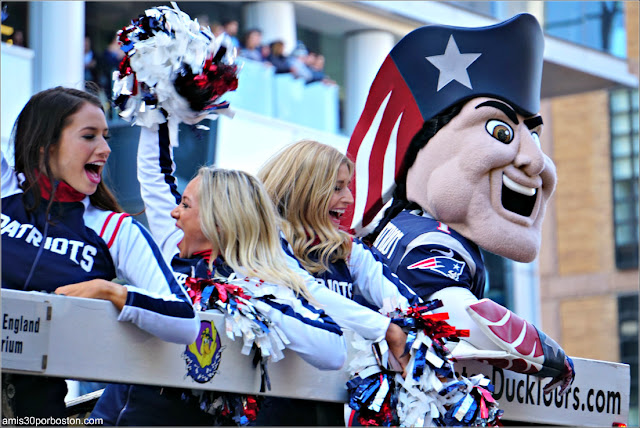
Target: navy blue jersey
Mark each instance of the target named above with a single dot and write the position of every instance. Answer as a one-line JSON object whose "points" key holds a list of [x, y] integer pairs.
{"points": [[364, 278], [428, 256], [69, 253], [82, 243]]}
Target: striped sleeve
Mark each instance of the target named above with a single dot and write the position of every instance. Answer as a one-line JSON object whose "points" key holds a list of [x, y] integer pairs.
{"points": [[159, 187], [347, 313], [156, 302], [375, 281], [318, 341]]}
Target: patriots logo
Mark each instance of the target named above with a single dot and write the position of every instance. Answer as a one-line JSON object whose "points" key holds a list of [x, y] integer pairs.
{"points": [[446, 266]]}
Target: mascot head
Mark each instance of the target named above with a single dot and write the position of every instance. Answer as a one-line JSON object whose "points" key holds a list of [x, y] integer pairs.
{"points": [[451, 124]]}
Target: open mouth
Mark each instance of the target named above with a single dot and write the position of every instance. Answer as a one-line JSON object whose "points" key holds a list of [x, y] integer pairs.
{"points": [[93, 171], [336, 215], [518, 198]]}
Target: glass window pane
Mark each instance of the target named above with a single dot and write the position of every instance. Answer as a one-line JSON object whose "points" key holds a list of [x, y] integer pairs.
{"points": [[629, 328], [620, 124], [624, 234], [619, 101], [622, 168], [623, 212], [622, 190], [634, 99], [621, 146], [599, 25]]}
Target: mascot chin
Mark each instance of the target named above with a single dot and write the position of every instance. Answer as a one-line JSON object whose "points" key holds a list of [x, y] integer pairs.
{"points": [[457, 109]]}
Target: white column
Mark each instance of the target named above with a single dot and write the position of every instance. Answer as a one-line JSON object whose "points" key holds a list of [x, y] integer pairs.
{"points": [[526, 290], [56, 34], [365, 51], [276, 20]]}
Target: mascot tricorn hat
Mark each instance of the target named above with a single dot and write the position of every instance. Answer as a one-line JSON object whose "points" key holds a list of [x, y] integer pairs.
{"points": [[430, 69]]}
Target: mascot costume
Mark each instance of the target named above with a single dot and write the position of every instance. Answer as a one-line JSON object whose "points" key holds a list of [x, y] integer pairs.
{"points": [[448, 161]]}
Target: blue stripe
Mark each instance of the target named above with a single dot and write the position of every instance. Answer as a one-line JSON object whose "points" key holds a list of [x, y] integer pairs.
{"points": [[166, 161], [386, 271], [286, 247], [324, 323], [175, 309], [305, 302], [174, 287]]}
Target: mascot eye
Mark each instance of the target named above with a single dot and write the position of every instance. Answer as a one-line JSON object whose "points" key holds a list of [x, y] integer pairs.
{"points": [[536, 138], [500, 131]]}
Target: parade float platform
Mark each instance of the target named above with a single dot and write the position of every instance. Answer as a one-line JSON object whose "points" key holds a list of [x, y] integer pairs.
{"points": [[75, 338]]}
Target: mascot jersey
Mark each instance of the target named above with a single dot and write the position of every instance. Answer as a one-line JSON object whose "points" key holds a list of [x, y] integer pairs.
{"points": [[82, 243], [150, 405], [429, 255]]}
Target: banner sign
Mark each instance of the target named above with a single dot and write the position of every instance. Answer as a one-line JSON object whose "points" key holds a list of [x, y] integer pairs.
{"points": [[599, 395], [25, 334], [84, 340]]}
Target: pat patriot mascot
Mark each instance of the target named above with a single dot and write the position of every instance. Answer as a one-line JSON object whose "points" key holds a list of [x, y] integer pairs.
{"points": [[448, 161]]}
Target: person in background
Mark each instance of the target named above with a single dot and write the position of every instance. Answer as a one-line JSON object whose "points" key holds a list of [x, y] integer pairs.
{"points": [[64, 232], [230, 27], [18, 38], [109, 62], [90, 61], [217, 29], [316, 64], [298, 61], [251, 47], [309, 185], [277, 57]]}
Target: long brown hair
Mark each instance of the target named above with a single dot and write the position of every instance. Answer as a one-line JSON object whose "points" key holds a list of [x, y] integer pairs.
{"points": [[39, 127]]}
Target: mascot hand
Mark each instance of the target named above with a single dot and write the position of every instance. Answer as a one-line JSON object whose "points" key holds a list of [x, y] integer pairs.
{"points": [[564, 379]]}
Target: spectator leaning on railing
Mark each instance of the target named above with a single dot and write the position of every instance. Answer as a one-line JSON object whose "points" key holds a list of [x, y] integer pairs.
{"points": [[251, 45]]}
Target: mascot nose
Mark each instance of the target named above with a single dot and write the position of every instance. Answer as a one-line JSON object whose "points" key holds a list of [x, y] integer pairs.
{"points": [[529, 158]]}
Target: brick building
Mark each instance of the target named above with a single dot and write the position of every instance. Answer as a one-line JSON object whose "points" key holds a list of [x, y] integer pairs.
{"points": [[588, 276]]}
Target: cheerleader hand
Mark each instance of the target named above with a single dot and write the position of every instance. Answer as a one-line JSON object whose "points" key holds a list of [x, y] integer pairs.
{"points": [[397, 339], [96, 289]]}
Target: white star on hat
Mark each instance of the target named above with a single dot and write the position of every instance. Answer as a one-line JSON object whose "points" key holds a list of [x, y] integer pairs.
{"points": [[453, 65]]}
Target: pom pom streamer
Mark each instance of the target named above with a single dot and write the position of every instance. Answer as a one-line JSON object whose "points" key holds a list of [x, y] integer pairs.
{"points": [[243, 301], [173, 69], [431, 394]]}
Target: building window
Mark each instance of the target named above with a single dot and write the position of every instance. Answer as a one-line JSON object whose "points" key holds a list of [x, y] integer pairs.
{"points": [[596, 24], [624, 166], [499, 282], [487, 8], [628, 333]]}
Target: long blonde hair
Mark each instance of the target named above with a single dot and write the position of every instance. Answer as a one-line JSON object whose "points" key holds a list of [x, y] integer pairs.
{"points": [[301, 179], [238, 218]]}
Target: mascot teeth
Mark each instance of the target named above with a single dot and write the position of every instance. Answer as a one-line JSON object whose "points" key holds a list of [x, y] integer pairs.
{"points": [[527, 191]]}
